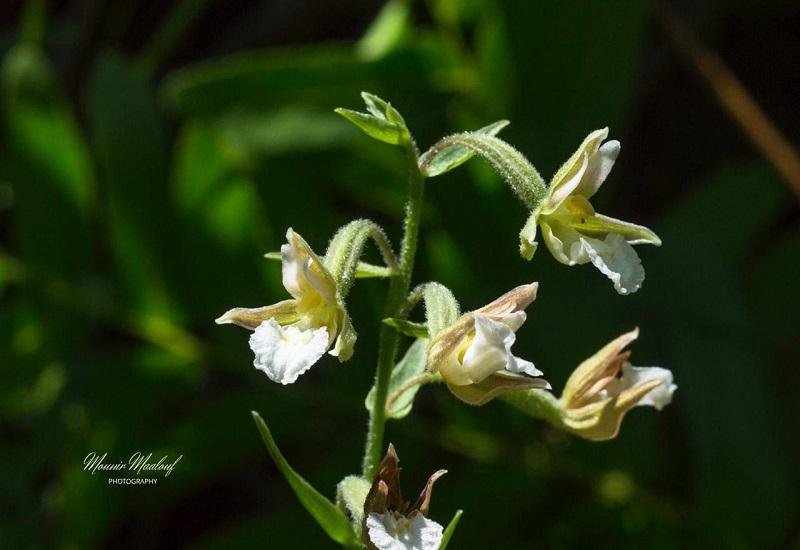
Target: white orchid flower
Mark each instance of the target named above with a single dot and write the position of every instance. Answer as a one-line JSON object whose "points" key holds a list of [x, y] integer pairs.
{"points": [[572, 230], [393, 531], [290, 337], [391, 523], [606, 386], [474, 356]]}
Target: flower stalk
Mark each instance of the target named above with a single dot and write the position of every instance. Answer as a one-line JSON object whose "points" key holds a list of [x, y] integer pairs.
{"points": [[399, 285]]}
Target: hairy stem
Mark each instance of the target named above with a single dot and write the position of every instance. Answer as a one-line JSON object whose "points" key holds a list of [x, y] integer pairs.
{"points": [[398, 288], [418, 380]]}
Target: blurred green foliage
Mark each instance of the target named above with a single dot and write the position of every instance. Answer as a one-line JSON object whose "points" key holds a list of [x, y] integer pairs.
{"points": [[137, 203]]}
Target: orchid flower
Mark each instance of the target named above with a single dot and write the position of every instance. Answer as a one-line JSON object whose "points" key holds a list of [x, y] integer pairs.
{"points": [[576, 234], [474, 356], [390, 523], [292, 335], [606, 386]]}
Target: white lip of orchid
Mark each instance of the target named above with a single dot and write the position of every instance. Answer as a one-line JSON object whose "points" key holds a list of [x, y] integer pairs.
{"points": [[658, 398], [489, 350], [393, 531], [286, 352]]}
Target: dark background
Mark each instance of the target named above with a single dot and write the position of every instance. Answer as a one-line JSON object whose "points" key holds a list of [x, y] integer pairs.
{"points": [[151, 152]]}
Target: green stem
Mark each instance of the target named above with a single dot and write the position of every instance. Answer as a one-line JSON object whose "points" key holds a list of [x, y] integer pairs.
{"points": [[398, 288], [418, 380]]}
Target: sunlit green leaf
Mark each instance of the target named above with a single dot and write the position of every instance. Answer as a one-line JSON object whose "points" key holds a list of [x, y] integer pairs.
{"points": [[450, 529]]}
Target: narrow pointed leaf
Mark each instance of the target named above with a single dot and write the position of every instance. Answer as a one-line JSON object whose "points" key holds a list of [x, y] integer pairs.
{"points": [[374, 127], [412, 364], [451, 528], [439, 161], [409, 328], [327, 514]]}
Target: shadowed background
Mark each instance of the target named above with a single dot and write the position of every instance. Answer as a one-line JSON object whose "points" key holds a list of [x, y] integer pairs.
{"points": [[151, 152]]}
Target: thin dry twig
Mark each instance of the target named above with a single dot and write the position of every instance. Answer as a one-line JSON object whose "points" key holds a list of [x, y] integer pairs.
{"points": [[734, 98]]}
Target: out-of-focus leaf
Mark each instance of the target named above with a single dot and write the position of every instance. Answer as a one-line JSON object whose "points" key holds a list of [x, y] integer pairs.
{"points": [[412, 364], [391, 27], [321, 76], [130, 141], [715, 355], [247, 135], [174, 25], [450, 529], [445, 159], [327, 515], [596, 69], [409, 328], [49, 167]]}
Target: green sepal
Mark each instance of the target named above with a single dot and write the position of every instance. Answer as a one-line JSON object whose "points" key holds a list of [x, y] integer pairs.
{"points": [[409, 328], [412, 364], [451, 528], [330, 517], [363, 271], [384, 122], [437, 161]]}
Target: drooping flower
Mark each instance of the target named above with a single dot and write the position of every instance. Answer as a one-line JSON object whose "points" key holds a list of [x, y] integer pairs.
{"points": [[606, 386], [576, 234], [292, 335], [390, 523], [474, 356]]}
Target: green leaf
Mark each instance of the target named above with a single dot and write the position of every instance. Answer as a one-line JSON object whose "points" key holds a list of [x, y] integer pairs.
{"points": [[312, 76], [438, 161], [49, 167], [327, 514], [451, 528], [374, 127], [384, 123], [412, 364], [363, 271], [131, 145], [409, 328]]}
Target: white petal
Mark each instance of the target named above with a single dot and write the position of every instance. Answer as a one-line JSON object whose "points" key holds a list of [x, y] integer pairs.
{"points": [[617, 260], [563, 242], [490, 351], [513, 320], [660, 396], [293, 266], [390, 531], [284, 353], [600, 165]]}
